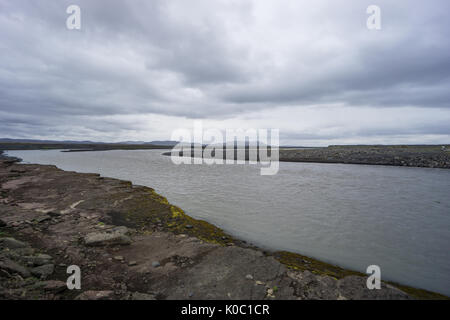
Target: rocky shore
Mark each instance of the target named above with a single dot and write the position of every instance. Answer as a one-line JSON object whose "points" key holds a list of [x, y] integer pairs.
{"points": [[431, 156], [406, 156], [130, 243]]}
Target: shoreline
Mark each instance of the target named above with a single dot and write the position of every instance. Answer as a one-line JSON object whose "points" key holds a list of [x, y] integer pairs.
{"points": [[67, 214], [428, 156]]}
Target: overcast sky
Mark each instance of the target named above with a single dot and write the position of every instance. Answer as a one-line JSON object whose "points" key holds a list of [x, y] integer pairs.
{"points": [[137, 70]]}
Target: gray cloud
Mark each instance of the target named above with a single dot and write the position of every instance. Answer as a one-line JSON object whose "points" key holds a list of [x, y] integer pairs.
{"points": [[138, 68]]}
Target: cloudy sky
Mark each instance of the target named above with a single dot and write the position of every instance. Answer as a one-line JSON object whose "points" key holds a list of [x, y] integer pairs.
{"points": [[139, 69]]}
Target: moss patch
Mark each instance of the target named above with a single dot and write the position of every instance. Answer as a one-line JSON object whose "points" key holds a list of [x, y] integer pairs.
{"points": [[146, 210], [299, 262]]}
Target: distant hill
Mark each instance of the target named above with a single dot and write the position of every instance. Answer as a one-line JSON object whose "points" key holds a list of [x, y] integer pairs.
{"points": [[8, 140], [163, 143], [155, 143]]}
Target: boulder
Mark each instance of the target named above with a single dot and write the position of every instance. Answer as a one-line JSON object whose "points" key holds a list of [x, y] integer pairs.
{"points": [[12, 243], [39, 259], [116, 236], [14, 268], [96, 295], [42, 218], [155, 264], [54, 286], [142, 296], [44, 271]]}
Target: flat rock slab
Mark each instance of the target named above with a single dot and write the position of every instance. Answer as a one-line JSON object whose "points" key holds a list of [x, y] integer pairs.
{"points": [[96, 295], [13, 267], [43, 271], [12, 243], [116, 236]]}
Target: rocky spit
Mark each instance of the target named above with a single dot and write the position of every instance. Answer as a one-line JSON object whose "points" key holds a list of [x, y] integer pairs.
{"points": [[130, 243], [406, 156], [428, 156]]}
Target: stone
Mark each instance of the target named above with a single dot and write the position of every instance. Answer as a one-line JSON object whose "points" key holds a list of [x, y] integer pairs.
{"points": [[24, 251], [2, 223], [42, 218], [12, 243], [44, 271], [142, 296], [249, 277], [96, 295], [116, 236], [54, 213], [118, 258], [120, 230], [39, 259], [270, 293], [13, 267], [54, 286], [155, 264], [188, 226], [132, 263]]}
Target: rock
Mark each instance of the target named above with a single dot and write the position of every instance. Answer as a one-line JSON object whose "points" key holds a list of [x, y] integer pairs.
{"points": [[155, 264], [142, 296], [42, 218], [54, 286], [44, 271], [54, 213], [39, 260], [96, 295], [13, 267], [112, 237], [188, 226], [2, 223], [120, 230], [249, 277], [132, 263], [12, 243], [118, 258], [23, 251]]}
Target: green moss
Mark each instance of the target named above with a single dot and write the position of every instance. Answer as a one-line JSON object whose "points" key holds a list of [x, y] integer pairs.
{"points": [[299, 262], [146, 209], [419, 293]]}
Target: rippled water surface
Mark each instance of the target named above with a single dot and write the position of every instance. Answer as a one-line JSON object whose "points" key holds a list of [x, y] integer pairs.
{"points": [[350, 215]]}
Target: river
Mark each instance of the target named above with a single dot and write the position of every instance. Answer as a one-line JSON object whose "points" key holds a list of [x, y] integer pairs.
{"points": [[351, 215]]}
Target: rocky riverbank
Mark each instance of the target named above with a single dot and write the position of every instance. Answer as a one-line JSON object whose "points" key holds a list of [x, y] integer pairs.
{"points": [[130, 243], [431, 156], [406, 156]]}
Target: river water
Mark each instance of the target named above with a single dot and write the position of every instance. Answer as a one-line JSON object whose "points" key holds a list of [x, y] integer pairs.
{"points": [[350, 215]]}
